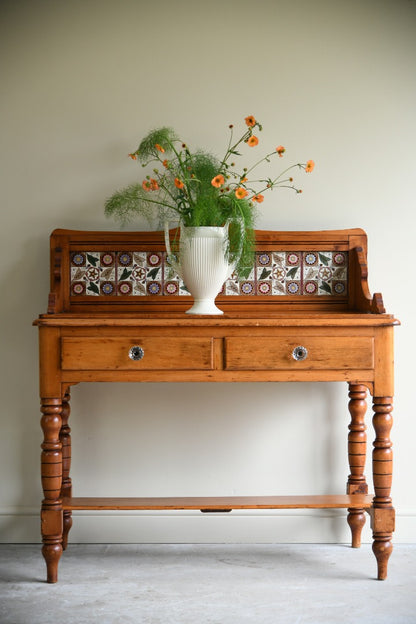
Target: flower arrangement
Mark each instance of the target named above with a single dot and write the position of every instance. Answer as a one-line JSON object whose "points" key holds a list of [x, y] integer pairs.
{"points": [[198, 189]]}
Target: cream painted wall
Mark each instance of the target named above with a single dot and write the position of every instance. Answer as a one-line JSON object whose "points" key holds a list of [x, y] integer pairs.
{"points": [[82, 81]]}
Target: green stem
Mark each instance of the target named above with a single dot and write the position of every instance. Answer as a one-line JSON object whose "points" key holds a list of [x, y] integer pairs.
{"points": [[154, 201], [182, 168], [275, 182], [229, 144], [245, 136], [268, 188], [286, 170], [260, 161], [162, 186]]}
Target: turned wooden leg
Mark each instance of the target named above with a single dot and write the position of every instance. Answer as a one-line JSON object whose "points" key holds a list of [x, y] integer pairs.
{"points": [[357, 446], [51, 471], [66, 489], [382, 513]]}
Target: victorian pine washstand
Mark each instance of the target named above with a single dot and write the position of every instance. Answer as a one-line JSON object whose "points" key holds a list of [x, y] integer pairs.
{"points": [[116, 314]]}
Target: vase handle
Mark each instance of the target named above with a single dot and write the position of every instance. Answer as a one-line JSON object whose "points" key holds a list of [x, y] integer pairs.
{"points": [[232, 265], [173, 263]]}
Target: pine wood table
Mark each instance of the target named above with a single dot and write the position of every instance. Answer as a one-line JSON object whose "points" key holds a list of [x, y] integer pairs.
{"points": [[116, 313]]}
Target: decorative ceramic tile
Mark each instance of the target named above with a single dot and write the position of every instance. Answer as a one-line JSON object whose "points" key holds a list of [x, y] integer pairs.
{"points": [[294, 273], [136, 273], [140, 273]]}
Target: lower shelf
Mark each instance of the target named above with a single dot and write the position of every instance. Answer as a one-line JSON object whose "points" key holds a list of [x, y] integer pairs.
{"points": [[222, 503]]}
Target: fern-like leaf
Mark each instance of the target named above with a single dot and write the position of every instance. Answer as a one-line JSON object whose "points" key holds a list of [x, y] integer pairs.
{"points": [[164, 137], [128, 203]]}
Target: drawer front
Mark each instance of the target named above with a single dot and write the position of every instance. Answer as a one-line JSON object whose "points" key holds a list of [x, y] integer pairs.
{"points": [[168, 353], [314, 353]]}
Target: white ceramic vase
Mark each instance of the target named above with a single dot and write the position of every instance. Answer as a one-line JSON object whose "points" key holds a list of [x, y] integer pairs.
{"points": [[202, 263]]}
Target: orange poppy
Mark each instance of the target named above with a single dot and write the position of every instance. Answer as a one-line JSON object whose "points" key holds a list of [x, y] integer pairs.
{"points": [[154, 185], [250, 121], [253, 140], [133, 156], [159, 147], [218, 181], [178, 183], [258, 198], [165, 163], [280, 150], [309, 166], [147, 185], [241, 192]]}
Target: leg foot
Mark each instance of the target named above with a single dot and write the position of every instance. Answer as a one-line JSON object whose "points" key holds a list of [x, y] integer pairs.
{"points": [[52, 553], [382, 551], [356, 521]]}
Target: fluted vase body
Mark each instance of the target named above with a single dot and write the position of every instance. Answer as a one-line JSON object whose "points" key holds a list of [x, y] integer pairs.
{"points": [[203, 265]]}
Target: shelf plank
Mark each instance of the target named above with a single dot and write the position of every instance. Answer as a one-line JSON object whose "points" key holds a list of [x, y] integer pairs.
{"points": [[221, 503]]}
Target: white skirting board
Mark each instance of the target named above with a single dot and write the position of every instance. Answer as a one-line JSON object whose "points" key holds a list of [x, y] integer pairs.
{"points": [[251, 526]]}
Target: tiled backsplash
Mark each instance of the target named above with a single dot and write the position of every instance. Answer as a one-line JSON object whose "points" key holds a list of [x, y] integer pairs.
{"points": [[141, 273]]}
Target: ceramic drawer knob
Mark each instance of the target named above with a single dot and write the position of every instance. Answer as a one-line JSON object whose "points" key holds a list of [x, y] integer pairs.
{"points": [[300, 353], [136, 353]]}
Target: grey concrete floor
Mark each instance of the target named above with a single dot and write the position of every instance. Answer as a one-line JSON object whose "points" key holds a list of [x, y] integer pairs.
{"points": [[209, 584]]}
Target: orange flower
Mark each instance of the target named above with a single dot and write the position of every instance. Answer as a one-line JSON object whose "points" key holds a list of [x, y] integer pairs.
{"points": [[250, 121], [243, 180], [253, 140], [159, 147], [241, 192], [218, 181], [147, 185], [133, 156], [154, 185], [165, 163], [280, 150], [258, 198], [178, 183], [309, 166]]}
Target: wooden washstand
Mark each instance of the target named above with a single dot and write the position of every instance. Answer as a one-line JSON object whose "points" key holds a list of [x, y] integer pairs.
{"points": [[117, 314]]}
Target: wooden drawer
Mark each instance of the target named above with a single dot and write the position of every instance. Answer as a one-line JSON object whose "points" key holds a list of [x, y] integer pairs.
{"points": [[167, 353], [276, 353]]}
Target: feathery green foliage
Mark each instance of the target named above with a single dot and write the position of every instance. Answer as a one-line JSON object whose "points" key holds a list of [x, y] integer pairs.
{"points": [[123, 204], [165, 137], [197, 189]]}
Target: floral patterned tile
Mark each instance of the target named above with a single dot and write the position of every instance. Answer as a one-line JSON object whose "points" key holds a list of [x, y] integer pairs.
{"points": [[140, 273]]}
